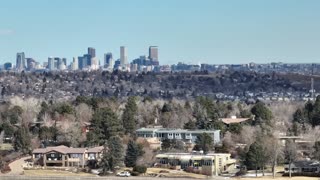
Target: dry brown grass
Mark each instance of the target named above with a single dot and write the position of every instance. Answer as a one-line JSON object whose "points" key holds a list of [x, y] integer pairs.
{"points": [[280, 178], [39, 172], [174, 173]]}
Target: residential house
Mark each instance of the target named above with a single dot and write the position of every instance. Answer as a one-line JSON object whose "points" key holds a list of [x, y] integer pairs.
{"points": [[304, 166], [187, 136], [65, 156], [234, 120]]}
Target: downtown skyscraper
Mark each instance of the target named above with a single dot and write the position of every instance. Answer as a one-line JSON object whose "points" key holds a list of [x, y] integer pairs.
{"points": [[21, 62], [123, 57], [92, 52], [153, 53], [108, 60]]}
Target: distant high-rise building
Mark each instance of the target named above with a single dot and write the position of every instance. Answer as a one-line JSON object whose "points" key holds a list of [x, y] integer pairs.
{"points": [[94, 63], [31, 64], [111, 64], [7, 66], [21, 64], [107, 58], [117, 64], [45, 65], [64, 61], [51, 63], [123, 56], [87, 60], [92, 52], [62, 64], [134, 67], [153, 53], [80, 62], [57, 62], [75, 64]]}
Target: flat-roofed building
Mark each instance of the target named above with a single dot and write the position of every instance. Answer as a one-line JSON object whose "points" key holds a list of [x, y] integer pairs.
{"points": [[207, 164], [188, 136]]}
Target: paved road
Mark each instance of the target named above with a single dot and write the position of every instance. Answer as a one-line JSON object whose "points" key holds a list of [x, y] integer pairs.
{"points": [[95, 178], [16, 166]]}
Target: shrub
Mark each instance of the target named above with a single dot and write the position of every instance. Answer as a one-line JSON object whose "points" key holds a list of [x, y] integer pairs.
{"points": [[241, 172], [164, 171], [5, 169], [140, 169], [196, 171], [189, 169], [135, 173]]}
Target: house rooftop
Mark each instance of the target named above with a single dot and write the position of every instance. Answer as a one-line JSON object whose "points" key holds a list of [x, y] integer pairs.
{"points": [[233, 120], [192, 156], [66, 150], [306, 163], [173, 130]]}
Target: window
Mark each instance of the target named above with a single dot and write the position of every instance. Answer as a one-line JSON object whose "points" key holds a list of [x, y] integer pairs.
{"points": [[178, 136], [75, 155], [91, 156]]}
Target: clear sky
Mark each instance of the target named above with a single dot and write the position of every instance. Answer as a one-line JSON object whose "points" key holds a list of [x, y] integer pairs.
{"points": [[190, 31]]}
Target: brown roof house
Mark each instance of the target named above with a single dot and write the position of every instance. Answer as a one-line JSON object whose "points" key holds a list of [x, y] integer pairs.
{"points": [[65, 156], [234, 120]]}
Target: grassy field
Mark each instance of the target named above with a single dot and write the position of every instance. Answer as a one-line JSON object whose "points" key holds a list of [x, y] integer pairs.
{"points": [[54, 173]]}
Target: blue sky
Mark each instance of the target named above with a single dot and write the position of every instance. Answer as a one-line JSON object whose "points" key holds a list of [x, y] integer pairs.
{"points": [[190, 31]]}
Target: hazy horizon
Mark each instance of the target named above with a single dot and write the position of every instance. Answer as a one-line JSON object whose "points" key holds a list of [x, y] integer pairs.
{"points": [[214, 32]]}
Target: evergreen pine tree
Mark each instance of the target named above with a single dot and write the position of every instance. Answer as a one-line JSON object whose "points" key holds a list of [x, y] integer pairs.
{"points": [[262, 113], [134, 150], [315, 120], [128, 117], [204, 142], [316, 152], [115, 151], [22, 140], [104, 163]]}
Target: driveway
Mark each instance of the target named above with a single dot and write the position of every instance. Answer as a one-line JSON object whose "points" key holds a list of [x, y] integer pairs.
{"points": [[16, 166]]}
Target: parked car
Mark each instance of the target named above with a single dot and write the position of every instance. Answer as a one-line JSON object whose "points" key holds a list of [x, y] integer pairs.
{"points": [[124, 174]]}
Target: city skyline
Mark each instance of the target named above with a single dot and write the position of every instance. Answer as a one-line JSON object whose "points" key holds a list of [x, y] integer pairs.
{"points": [[207, 32]]}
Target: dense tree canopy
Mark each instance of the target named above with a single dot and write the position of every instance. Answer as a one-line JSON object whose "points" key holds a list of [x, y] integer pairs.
{"points": [[105, 124], [204, 142], [262, 113]]}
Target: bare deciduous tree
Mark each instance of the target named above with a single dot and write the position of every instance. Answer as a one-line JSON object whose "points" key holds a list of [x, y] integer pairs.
{"points": [[83, 113], [290, 153]]}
